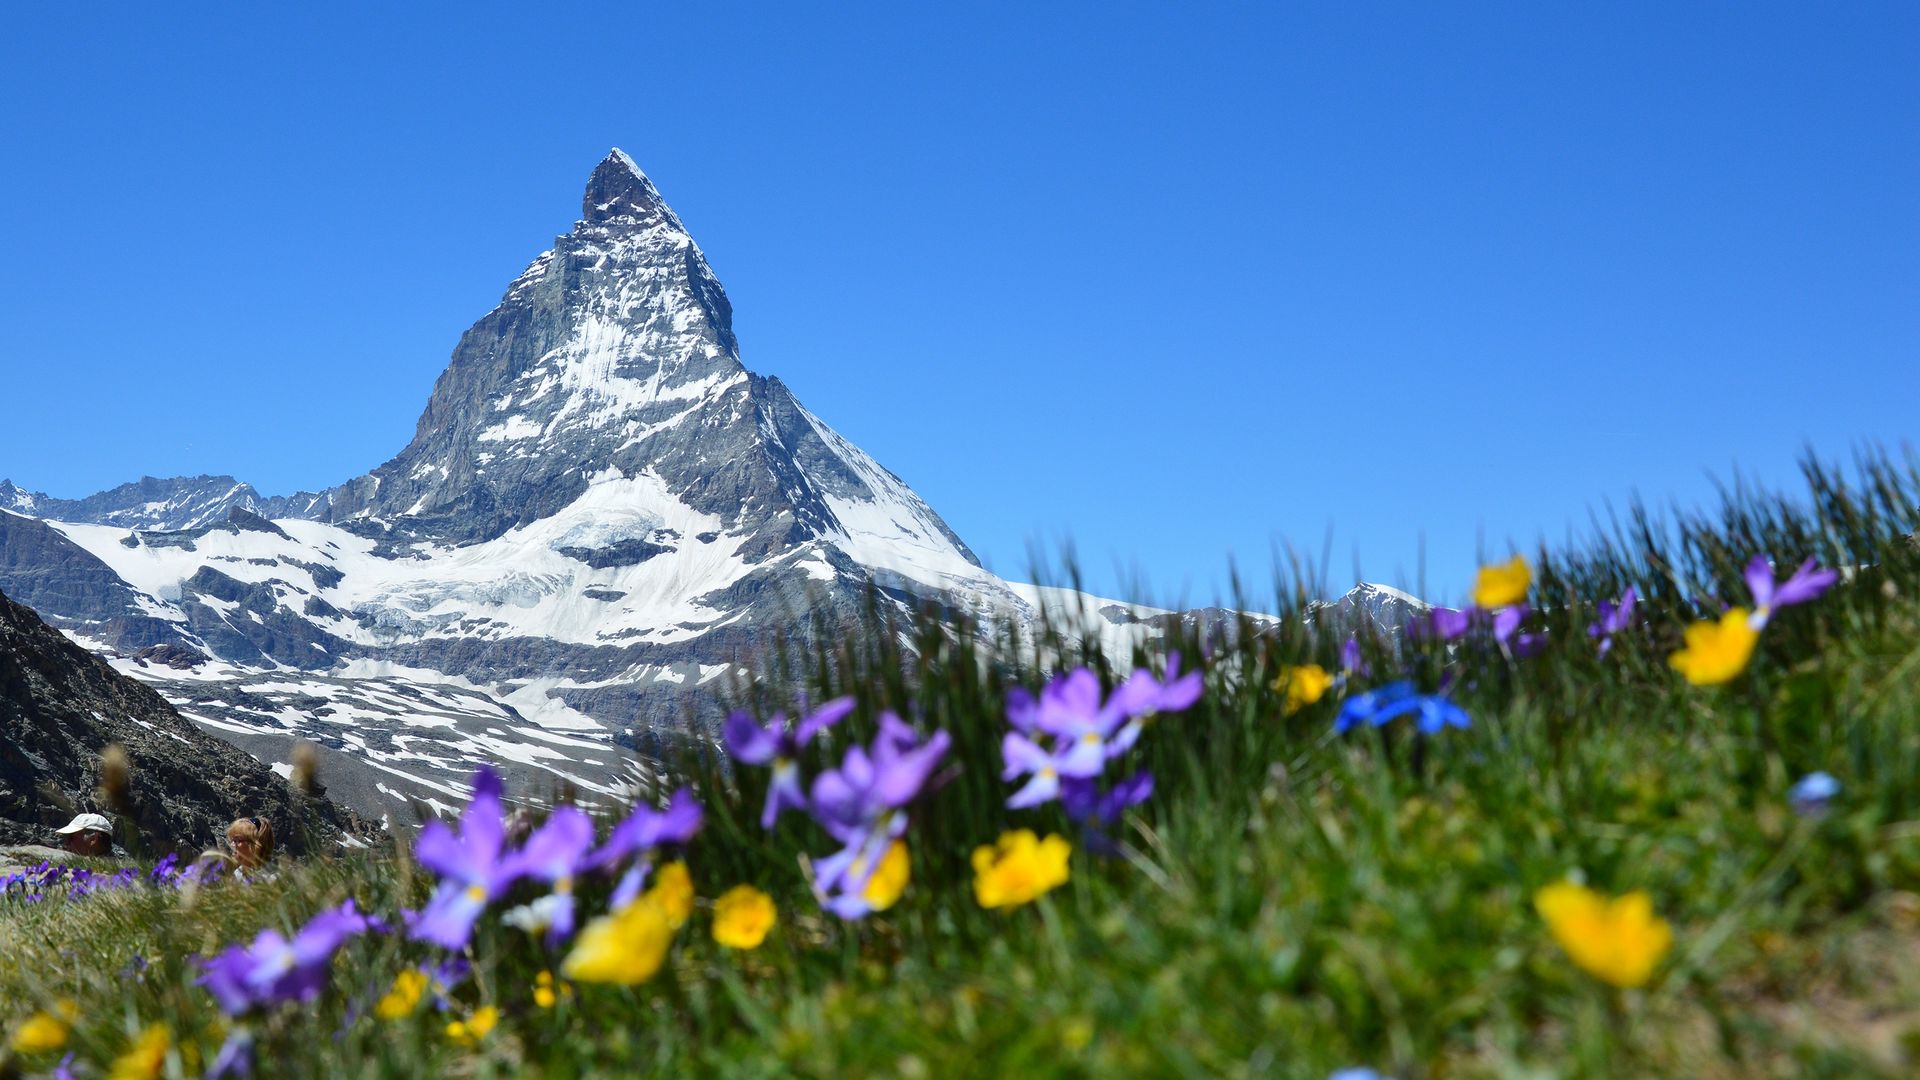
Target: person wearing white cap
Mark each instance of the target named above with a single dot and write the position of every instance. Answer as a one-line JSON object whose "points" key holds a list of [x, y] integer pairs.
{"points": [[90, 835]]}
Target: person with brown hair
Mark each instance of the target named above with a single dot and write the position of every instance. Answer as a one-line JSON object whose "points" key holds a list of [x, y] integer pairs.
{"points": [[251, 839]]}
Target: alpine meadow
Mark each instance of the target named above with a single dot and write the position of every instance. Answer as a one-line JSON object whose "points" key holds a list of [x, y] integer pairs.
{"points": [[1257, 541]]}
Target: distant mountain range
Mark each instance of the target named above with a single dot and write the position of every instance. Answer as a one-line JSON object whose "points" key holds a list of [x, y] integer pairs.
{"points": [[601, 512]]}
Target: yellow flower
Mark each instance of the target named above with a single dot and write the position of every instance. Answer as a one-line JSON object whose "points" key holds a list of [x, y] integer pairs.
{"points": [[1019, 868], [673, 892], [546, 993], [399, 1002], [1502, 586], [1617, 941], [742, 916], [46, 1031], [626, 947], [470, 1031], [1716, 652], [1303, 685], [146, 1057], [890, 878]]}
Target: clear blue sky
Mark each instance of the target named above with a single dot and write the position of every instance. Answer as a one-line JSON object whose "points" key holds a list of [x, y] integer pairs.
{"points": [[1176, 281]]}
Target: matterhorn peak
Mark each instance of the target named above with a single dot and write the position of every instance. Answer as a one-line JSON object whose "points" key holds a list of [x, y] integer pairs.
{"points": [[618, 189]]}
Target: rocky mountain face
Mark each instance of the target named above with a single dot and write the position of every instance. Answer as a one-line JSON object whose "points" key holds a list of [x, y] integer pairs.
{"points": [[182, 502], [60, 706], [1370, 608], [600, 515]]}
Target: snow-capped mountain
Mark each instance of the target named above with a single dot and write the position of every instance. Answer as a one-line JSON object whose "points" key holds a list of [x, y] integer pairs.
{"points": [[1368, 606], [601, 510], [185, 502], [601, 513]]}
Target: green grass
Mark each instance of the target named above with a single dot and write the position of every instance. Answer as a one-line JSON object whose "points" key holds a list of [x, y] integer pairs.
{"points": [[1288, 902]]}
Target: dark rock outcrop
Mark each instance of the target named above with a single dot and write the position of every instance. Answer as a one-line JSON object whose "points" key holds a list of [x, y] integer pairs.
{"points": [[60, 706]]}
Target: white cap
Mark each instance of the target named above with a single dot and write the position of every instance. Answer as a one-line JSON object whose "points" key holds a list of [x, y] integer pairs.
{"points": [[88, 821]]}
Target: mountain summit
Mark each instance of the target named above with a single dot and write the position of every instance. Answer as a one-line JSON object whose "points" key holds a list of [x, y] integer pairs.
{"points": [[618, 189]]}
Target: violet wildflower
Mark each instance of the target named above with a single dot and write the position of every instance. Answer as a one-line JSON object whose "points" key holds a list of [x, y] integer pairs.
{"points": [[1086, 804], [862, 804], [1614, 618], [841, 880], [472, 872], [1812, 794], [1351, 662], [1025, 757], [1085, 734], [644, 830], [276, 969], [752, 744], [1376, 708], [1507, 633], [1142, 697], [1769, 596], [1086, 731], [235, 1057], [1445, 624], [552, 854], [1071, 711], [872, 786]]}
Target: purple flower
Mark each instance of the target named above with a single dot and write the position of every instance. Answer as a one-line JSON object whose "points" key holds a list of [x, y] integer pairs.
{"points": [[1506, 631], [235, 1057], [1769, 596], [1086, 804], [870, 785], [1023, 756], [1072, 712], [862, 804], [553, 854], [1433, 712], [1614, 618], [840, 880], [1023, 710], [1351, 662], [1142, 693], [644, 830], [472, 872], [1142, 697], [752, 744], [274, 969], [1063, 740], [1445, 624]]}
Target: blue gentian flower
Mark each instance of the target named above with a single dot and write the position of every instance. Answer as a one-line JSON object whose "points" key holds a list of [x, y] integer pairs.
{"points": [[1378, 707], [1813, 792]]}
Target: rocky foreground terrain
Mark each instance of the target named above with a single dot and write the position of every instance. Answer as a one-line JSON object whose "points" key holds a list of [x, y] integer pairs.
{"points": [[61, 706]]}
